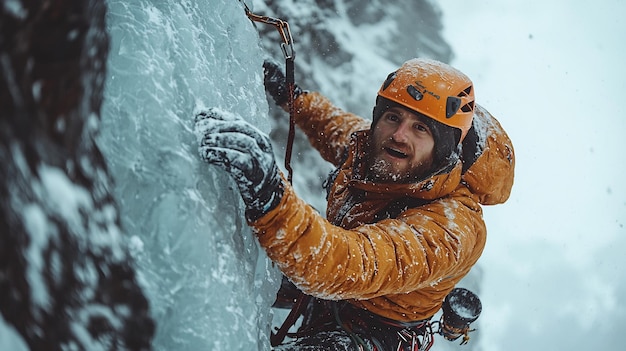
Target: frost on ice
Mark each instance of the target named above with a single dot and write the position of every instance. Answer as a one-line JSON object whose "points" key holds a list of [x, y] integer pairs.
{"points": [[209, 284]]}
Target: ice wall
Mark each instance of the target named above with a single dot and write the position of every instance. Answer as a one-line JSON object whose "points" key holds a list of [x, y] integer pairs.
{"points": [[209, 284]]}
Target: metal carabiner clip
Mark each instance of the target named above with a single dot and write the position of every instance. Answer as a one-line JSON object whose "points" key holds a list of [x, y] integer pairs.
{"points": [[287, 44]]}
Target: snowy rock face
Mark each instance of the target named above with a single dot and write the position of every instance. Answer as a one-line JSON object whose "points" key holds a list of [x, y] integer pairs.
{"points": [[66, 281]]}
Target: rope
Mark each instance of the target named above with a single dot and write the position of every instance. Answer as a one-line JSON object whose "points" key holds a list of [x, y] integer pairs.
{"points": [[289, 53], [356, 339], [296, 311], [289, 69]]}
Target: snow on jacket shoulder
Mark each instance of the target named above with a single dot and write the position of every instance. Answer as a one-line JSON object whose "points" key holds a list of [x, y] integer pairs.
{"points": [[393, 249]]}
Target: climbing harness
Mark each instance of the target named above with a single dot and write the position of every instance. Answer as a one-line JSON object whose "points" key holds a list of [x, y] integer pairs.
{"points": [[290, 54], [367, 331], [370, 332], [381, 333]]}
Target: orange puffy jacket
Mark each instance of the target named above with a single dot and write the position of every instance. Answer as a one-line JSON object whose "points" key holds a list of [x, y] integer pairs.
{"points": [[394, 249]]}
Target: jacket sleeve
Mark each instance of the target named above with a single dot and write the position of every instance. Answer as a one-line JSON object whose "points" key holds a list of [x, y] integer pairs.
{"points": [[420, 248], [327, 127]]}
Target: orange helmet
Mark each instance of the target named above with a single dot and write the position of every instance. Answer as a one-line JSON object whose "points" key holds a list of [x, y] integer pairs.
{"points": [[433, 89]]}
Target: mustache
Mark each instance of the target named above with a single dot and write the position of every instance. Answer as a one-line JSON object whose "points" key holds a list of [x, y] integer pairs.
{"points": [[395, 146]]}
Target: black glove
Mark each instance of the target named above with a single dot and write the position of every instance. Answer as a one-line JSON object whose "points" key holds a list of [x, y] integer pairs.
{"points": [[231, 143], [276, 83]]}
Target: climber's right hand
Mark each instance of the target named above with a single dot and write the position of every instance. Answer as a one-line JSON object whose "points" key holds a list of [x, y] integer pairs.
{"points": [[229, 142], [276, 84]]}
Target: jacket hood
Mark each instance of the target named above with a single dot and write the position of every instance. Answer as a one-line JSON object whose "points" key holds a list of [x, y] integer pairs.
{"points": [[488, 159]]}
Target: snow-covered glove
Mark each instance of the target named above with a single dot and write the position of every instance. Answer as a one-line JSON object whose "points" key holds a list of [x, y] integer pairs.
{"points": [[231, 143], [276, 84]]}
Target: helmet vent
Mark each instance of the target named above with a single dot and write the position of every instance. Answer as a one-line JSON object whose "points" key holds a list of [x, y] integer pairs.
{"points": [[468, 107]]}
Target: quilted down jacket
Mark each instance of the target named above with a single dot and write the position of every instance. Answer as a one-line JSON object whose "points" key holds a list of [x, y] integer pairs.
{"points": [[393, 249]]}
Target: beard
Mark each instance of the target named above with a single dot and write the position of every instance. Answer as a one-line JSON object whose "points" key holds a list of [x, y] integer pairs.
{"points": [[389, 161], [380, 170]]}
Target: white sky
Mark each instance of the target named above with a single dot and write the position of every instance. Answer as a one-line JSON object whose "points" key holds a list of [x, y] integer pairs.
{"points": [[552, 72]]}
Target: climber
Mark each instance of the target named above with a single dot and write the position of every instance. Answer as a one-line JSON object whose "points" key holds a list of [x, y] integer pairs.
{"points": [[404, 220]]}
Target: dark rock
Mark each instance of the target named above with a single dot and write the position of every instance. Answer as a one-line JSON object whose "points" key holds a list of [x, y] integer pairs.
{"points": [[66, 280]]}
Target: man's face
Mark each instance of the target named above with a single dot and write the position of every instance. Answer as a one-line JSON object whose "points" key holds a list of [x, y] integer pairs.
{"points": [[401, 147]]}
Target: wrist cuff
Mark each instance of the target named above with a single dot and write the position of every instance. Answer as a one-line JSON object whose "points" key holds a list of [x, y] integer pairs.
{"points": [[267, 199]]}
